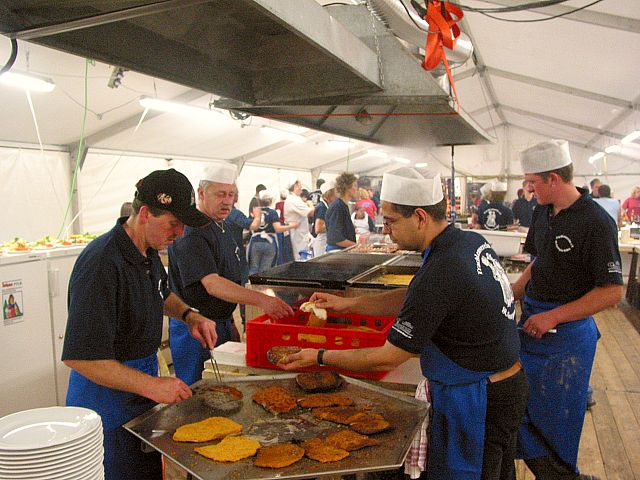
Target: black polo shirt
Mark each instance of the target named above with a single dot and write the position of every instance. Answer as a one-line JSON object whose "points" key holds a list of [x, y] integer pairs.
{"points": [[115, 302], [494, 216], [576, 251], [523, 210], [339, 224], [461, 300], [198, 253]]}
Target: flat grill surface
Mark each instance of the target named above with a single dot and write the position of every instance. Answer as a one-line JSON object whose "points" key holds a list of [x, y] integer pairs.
{"points": [[405, 414], [316, 274], [371, 278]]}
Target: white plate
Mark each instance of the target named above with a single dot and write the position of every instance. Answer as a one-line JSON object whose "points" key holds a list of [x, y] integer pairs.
{"points": [[59, 473], [51, 458], [89, 438], [46, 427]]}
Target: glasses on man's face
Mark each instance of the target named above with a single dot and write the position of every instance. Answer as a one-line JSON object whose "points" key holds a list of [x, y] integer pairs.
{"points": [[388, 222]]}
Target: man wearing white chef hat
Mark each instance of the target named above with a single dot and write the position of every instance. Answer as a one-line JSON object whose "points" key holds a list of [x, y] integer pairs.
{"points": [[296, 210], [204, 267], [457, 316], [575, 273], [319, 227], [495, 215]]}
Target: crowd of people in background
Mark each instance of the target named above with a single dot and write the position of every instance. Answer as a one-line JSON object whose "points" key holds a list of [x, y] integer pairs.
{"points": [[490, 211]]}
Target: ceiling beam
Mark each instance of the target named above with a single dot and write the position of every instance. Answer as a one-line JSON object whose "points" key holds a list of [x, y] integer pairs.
{"points": [[479, 63], [585, 16], [566, 123], [466, 74], [617, 120], [270, 148], [619, 102], [482, 110], [352, 156]]}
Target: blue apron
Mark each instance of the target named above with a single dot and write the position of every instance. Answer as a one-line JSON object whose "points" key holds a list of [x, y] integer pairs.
{"points": [[187, 354], [558, 367], [274, 242], [123, 457], [285, 252], [459, 408]]}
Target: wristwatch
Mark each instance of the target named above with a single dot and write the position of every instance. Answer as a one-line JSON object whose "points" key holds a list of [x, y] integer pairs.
{"points": [[320, 355], [186, 313]]}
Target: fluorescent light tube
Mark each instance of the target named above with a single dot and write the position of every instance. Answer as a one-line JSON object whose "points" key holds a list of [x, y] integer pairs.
{"points": [[613, 149], [596, 156], [422, 165], [377, 153], [173, 107], [631, 137], [406, 161], [27, 81], [283, 134]]}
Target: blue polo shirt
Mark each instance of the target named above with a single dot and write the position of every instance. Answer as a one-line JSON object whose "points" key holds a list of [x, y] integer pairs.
{"points": [[268, 217], [320, 213], [460, 299], [339, 224], [523, 210], [198, 253], [115, 303], [576, 251], [494, 216]]}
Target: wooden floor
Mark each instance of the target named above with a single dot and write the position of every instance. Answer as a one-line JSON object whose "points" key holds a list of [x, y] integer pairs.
{"points": [[610, 444]]}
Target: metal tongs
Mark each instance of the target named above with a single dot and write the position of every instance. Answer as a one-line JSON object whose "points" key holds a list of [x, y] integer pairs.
{"points": [[214, 365]]}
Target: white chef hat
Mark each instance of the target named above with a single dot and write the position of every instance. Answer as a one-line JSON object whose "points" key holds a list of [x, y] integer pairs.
{"points": [[545, 156], [498, 186], [221, 173], [326, 186], [485, 189], [264, 194], [407, 186]]}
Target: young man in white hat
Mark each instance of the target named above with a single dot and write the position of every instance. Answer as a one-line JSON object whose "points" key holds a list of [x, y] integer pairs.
{"points": [[575, 273], [495, 215], [204, 267], [458, 316]]}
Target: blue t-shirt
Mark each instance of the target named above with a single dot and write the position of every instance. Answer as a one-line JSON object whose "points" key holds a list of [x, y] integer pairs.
{"points": [[494, 216], [576, 251], [269, 216], [461, 300], [523, 211], [320, 213], [115, 302], [339, 224], [198, 253]]}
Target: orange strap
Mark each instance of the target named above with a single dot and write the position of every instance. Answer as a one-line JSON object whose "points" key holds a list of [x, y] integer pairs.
{"points": [[443, 32]]}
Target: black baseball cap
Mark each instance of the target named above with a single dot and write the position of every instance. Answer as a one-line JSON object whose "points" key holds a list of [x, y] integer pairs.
{"points": [[170, 190]]}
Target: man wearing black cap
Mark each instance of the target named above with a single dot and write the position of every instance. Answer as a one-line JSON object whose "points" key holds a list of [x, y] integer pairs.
{"points": [[117, 296]]}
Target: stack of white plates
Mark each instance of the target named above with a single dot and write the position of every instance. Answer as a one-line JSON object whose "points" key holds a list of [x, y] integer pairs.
{"points": [[53, 443]]}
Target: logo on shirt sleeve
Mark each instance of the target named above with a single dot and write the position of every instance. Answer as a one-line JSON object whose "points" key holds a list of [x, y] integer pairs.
{"points": [[404, 328], [614, 267]]}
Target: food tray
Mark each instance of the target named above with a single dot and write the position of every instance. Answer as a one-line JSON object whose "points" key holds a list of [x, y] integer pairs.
{"points": [[406, 414], [371, 278], [264, 333]]}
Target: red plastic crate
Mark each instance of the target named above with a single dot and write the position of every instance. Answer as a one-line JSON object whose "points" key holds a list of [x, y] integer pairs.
{"points": [[264, 333]]}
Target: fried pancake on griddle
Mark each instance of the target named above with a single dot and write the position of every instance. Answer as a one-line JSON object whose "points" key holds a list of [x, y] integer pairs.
{"points": [[318, 381], [349, 440], [230, 449], [324, 400], [370, 423], [343, 415], [322, 452], [279, 455], [275, 399], [221, 397], [276, 354], [211, 428]]}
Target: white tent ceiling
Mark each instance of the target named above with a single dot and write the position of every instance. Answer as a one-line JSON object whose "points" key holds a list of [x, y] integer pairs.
{"points": [[574, 77]]}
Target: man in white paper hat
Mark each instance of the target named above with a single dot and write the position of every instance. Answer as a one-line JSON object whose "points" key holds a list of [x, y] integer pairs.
{"points": [[575, 273], [205, 268], [457, 315], [319, 227], [495, 215], [299, 211]]}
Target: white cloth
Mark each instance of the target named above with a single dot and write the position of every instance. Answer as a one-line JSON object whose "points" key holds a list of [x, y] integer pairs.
{"points": [[220, 173], [296, 210], [361, 224], [485, 189], [326, 186], [319, 244], [545, 156], [416, 461], [407, 186]]}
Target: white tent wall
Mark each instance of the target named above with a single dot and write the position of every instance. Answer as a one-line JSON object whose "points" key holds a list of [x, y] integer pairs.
{"points": [[35, 192]]}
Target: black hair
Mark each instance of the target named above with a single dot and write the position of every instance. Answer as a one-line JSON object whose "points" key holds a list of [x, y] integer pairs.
{"points": [[438, 211]]}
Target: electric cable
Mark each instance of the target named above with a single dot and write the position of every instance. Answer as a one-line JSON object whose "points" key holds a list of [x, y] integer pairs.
{"points": [[546, 19], [12, 57], [513, 8]]}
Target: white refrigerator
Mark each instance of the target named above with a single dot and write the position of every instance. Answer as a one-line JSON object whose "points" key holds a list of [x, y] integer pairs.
{"points": [[26, 346], [60, 263]]}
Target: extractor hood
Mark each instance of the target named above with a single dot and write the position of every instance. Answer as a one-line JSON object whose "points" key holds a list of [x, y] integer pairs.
{"points": [[337, 69]]}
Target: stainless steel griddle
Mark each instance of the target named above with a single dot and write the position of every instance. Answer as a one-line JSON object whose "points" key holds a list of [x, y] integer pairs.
{"points": [[405, 414]]}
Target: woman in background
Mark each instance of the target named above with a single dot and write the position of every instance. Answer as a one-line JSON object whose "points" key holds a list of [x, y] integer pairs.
{"points": [[364, 201], [340, 230], [631, 206]]}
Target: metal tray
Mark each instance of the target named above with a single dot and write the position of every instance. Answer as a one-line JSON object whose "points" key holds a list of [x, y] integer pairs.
{"points": [[405, 414], [407, 260], [310, 274], [365, 259], [366, 279]]}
